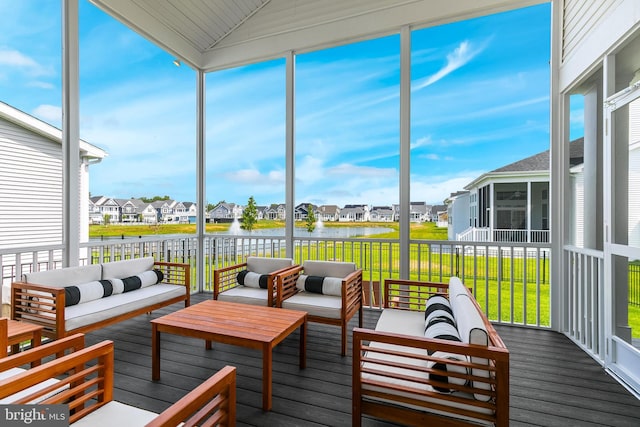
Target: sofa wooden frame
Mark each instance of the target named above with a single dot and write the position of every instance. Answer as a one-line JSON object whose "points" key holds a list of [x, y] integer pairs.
{"points": [[376, 394], [86, 385], [50, 310]]}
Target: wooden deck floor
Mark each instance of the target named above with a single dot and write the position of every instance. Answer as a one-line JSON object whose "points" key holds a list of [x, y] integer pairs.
{"points": [[553, 383]]}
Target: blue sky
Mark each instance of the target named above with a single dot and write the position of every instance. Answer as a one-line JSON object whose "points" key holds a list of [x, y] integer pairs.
{"points": [[480, 100]]}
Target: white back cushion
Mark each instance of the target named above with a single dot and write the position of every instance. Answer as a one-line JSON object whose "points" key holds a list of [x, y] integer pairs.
{"points": [[126, 268], [65, 276], [328, 268], [265, 265]]}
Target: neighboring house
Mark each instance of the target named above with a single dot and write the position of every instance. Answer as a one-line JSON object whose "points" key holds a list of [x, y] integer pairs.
{"points": [[275, 212], [301, 212], [381, 214], [457, 213], [354, 213], [435, 212], [129, 210], [95, 216], [328, 213], [164, 208], [261, 210], [419, 212], [110, 210], [225, 211], [31, 181], [511, 203]]}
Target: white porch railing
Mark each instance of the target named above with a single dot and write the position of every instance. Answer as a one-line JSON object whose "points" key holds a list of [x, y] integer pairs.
{"points": [[583, 295], [474, 234], [510, 281]]}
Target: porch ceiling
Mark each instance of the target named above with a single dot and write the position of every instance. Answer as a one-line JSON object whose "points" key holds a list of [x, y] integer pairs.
{"points": [[217, 34]]}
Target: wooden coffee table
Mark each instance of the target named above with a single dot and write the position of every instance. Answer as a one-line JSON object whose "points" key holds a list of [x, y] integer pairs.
{"points": [[251, 326], [18, 332]]}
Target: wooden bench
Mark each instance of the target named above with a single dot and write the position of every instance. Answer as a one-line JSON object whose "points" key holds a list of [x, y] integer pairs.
{"points": [[83, 380], [403, 376], [42, 298]]}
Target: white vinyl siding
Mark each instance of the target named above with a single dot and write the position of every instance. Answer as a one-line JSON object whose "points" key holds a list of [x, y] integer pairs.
{"points": [[579, 18], [30, 188]]}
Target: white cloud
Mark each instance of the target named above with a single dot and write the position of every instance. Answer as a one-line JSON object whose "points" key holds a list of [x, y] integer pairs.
{"points": [[430, 156], [255, 177], [41, 85], [422, 142], [49, 113], [460, 56], [347, 169], [16, 59]]}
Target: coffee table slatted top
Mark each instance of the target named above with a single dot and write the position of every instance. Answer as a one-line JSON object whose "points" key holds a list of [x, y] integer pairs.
{"points": [[232, 320]]}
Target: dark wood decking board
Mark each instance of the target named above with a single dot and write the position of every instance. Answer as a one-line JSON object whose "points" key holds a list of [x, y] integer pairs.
{"points": [[553, 382]]}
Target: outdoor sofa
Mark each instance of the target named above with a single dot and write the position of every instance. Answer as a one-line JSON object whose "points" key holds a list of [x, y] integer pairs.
{"points": [[433, 359], [81, 299]]}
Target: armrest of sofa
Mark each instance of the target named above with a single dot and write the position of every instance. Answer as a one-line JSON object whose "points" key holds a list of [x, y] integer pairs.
{"points": [[395, 366], [211, 403], [39, 304], [176, 274], [36, 355], [225, 278], [85, 381], [352, 291], [411, 294], [286, 283]]}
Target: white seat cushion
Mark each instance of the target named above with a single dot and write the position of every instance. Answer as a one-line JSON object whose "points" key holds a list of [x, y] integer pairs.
{"points": [[245, 295], [115, 305], [116, 414], [394, 320], [17, 396], [315, 304]]}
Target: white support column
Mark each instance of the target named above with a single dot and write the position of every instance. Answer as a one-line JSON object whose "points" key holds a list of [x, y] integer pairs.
{"points": [[290, 153], [558, 174], [201, 175], [70, 134], [405, 150], [592, 229], [529, 239]]}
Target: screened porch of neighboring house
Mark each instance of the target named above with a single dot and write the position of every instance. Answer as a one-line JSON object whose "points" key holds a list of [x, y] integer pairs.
{"points": [[564, 307]]}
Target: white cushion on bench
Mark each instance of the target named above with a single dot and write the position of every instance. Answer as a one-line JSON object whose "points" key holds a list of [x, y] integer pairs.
{"points": [[116, 414], [401, 322], [26, 392], [327, 306], [91, 312], [245, 295], [66, 276]]}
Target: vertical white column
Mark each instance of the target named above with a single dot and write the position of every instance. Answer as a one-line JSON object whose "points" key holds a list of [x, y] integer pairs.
{"points": [[70, 134], [558, 174], [592, 229], [529, 239], [201, 175], [290, 153], [405, 150]]}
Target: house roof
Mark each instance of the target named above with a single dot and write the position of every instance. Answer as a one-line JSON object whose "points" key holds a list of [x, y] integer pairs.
{"points": [[538, 163], [218, 34], [29, 122]]}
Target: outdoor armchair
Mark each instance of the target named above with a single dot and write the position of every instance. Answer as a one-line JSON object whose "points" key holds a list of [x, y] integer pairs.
{"points": [[329, 291], [251, 282]]}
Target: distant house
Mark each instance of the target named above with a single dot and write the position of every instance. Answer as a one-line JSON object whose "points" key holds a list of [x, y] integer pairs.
{"points": [[381, 214], [301, 212], [31, 181], [457, 213], [261, 211], [419, 212], [354, 213], [328, 213], [511, 203], [435, 213], [225, 212], [275, 212]]}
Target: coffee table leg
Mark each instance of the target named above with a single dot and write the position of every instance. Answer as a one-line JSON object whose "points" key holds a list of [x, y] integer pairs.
{"points": [[35, 342], [267, 364], [155, 352], [303, 345]]}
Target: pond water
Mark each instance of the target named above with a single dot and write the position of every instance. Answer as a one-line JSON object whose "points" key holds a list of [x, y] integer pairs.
{"points": [[320, 231]]}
